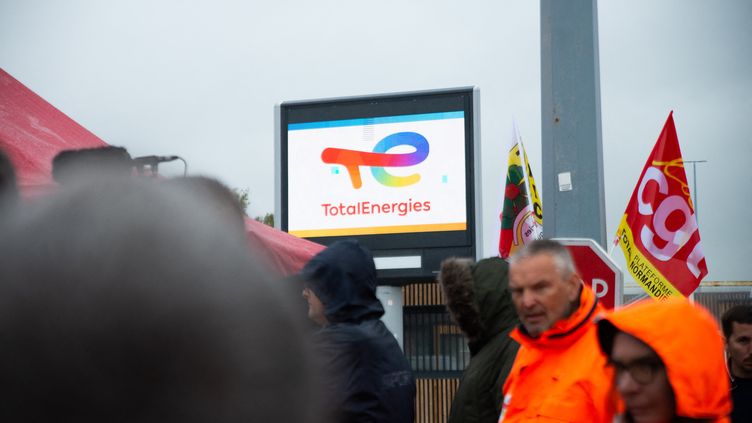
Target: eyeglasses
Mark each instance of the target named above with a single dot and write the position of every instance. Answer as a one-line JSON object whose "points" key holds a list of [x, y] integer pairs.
{"points": [[641, 370]]}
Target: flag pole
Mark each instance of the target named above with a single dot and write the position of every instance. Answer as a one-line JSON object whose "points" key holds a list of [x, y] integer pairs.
{"points": [[613, 245]]}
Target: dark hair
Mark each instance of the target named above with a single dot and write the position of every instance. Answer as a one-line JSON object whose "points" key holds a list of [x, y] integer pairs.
{"points": [[8, 186], [738, 314], [127, 301], [606, 334], [86, 163]]}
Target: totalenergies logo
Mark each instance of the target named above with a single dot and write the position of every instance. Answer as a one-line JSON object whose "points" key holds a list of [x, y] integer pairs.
{"points": [[352, 160]]}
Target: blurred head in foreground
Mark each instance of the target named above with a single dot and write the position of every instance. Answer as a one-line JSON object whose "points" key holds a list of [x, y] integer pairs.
{"points": [[75, 166], [127, 301], [8, 185], [668, 361], [213, 193]]}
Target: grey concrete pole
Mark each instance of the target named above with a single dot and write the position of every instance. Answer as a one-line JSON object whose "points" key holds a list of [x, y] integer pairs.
{"points": [[573, 186]]}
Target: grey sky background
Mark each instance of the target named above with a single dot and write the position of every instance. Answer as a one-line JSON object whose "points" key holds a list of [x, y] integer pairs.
{"points": [[200, 79]]}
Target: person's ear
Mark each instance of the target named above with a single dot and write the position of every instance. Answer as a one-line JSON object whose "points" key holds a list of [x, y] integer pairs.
{"points": [[574, 284]]}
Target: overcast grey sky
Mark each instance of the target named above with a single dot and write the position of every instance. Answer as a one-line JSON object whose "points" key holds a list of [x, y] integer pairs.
{"points": [[200, 78]]}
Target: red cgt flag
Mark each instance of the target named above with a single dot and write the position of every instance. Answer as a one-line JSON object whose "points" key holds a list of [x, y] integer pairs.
{"points": [[658, 232]]}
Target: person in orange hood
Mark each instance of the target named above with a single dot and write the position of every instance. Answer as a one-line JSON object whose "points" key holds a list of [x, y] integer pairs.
{"points": [[559, 373], [668, 362]]}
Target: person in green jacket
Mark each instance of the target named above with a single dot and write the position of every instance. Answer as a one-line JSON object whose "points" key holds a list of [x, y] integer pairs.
{"points": [[477, 295]]}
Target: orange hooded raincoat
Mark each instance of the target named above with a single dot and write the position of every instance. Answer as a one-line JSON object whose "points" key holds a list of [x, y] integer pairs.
{"points": [[561, 375], [690, 344]]}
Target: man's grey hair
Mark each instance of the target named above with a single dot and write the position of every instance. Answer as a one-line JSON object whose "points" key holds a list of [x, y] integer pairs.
{"points": [[555, 249]]}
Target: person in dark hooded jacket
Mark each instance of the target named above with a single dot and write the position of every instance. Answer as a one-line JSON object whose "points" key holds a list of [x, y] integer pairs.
{"points": [[368, 377], [477, 295]]}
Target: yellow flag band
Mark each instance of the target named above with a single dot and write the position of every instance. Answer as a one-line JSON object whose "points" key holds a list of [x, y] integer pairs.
{"points": [[641, 269], [432, 227]]}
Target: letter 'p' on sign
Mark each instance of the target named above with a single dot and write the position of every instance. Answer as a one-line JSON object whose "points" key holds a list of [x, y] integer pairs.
{"points": [[597, 269]]}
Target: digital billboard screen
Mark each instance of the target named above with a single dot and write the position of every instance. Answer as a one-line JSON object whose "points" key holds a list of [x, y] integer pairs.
{"points": [[394, 171]]}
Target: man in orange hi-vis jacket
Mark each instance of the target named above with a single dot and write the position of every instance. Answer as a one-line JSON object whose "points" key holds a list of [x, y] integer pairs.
{"points": [[668, 362], [560, 373]]}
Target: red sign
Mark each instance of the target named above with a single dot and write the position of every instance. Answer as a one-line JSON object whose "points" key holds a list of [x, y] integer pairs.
{"points": [[596, 269]]}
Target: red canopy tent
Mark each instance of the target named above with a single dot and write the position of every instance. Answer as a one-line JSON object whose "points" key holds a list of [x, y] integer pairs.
{"points": [[284, 252], [32, 132]]}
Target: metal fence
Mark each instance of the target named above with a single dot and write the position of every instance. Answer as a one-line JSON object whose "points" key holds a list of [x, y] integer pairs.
{"points": [[435, 348], [434, 345], [717, 297], [720, 296]]}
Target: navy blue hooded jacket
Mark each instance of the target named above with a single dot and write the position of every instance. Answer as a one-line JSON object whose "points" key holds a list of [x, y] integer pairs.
{"points": [[368, 377]]}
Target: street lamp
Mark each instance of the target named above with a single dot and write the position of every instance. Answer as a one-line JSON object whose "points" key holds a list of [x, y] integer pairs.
{"points": [[695, 201]]}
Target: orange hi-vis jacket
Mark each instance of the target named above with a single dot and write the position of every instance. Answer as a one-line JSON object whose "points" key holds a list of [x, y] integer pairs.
{"points": [[688, 341], [561, 375]]}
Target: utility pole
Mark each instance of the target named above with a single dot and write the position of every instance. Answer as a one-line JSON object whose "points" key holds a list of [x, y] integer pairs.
{"points": [[573, 187]]}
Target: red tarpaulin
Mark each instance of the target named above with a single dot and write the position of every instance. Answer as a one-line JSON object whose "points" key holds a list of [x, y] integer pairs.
{"points": [[32, 132], [285, 252]]}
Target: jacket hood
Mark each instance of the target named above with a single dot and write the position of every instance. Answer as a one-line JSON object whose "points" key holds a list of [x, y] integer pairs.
{"points": [[688, 341], [477, 295], [343, 276]]}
